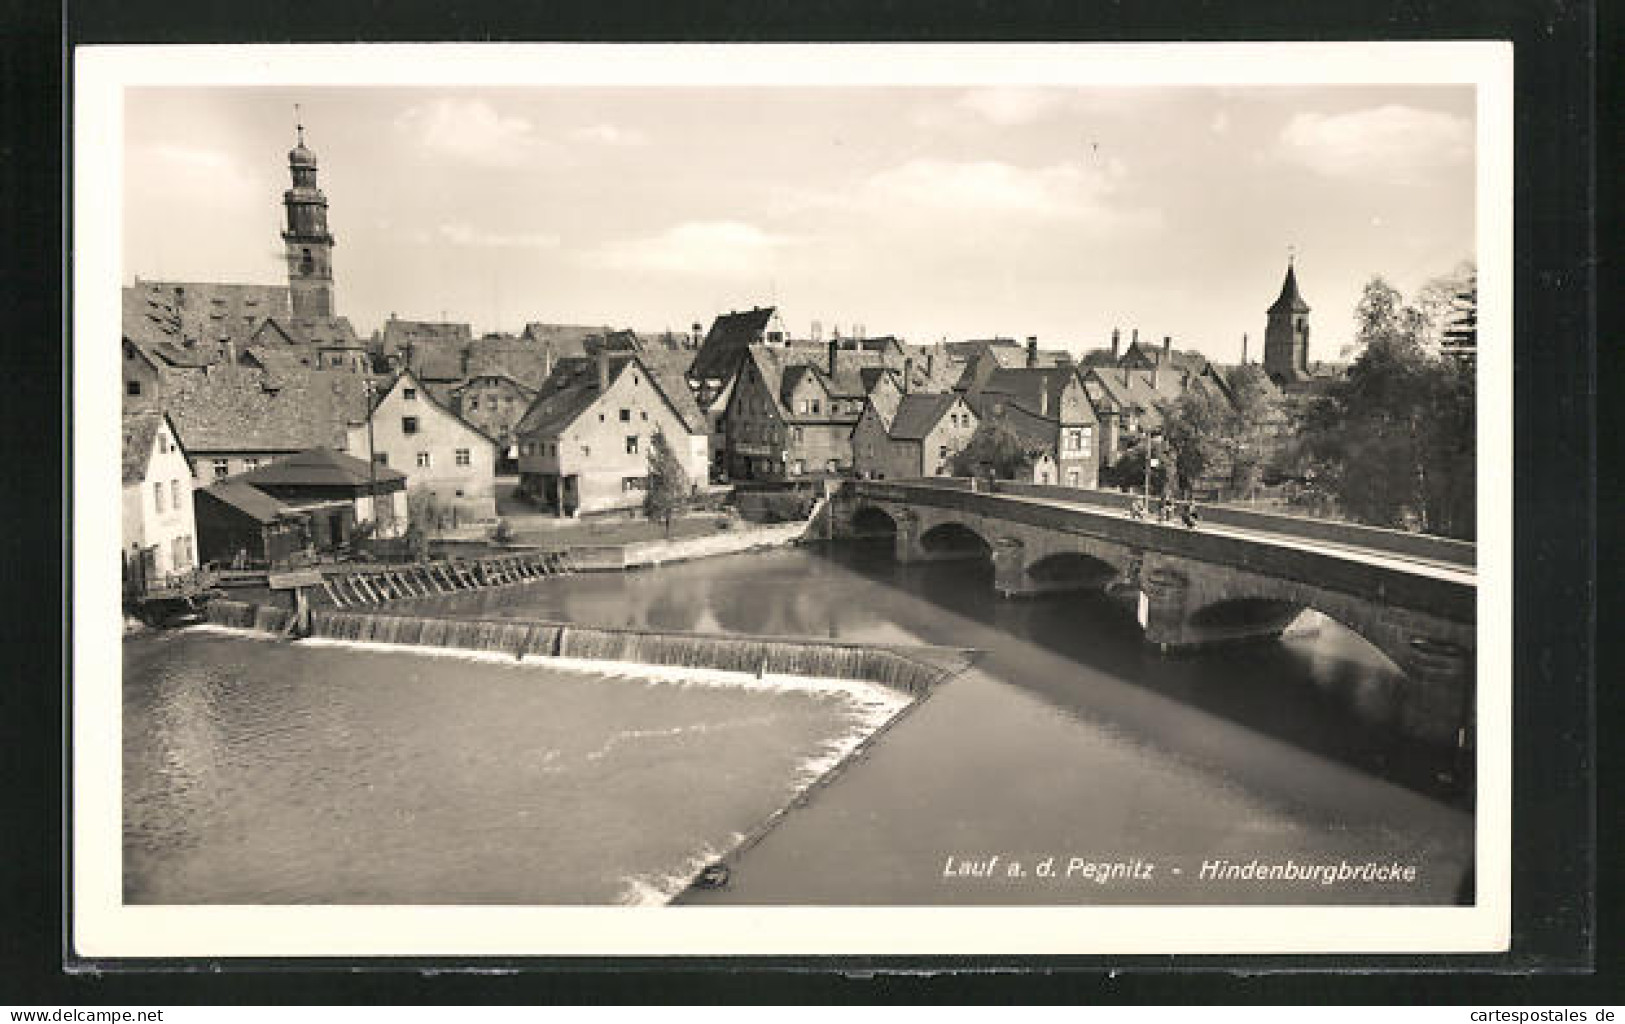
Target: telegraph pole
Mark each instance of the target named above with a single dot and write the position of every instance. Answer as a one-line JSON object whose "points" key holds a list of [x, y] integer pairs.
{"points": [[372, 458]]}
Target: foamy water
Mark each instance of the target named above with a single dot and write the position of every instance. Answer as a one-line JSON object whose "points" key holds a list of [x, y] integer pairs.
{"points": [[259, 770]]}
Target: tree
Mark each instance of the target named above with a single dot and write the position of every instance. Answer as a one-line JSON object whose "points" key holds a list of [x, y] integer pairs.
{"points": [[668, 486], [1395, 440], [996, 447], [1198, 428]]}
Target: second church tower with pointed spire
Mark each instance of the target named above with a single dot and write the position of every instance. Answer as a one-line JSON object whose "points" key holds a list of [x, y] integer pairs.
{"points": [[1286, 333]]}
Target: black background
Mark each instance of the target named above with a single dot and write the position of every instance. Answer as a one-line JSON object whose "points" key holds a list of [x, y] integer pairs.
{"points": [[1558, 861]]}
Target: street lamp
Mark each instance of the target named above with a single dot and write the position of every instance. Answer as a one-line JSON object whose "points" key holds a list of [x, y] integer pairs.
{"points": [[1150, 464]]}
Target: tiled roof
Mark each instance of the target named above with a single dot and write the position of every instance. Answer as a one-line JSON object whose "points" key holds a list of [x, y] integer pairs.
{"points": [[211, 311], [248, 499], [566, 339], [437, 363], [149, 316], [885, 399], [398, 334], [139, 430], [326, 332], [917, 415], [1037, 390], [724, 346], [1140, 390], [1139, 353], [613, 341], [322, 467], [568, 392], [243, 408]]}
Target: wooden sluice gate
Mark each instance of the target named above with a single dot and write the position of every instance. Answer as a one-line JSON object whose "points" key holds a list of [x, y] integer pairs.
{"points": [[359, 587]]}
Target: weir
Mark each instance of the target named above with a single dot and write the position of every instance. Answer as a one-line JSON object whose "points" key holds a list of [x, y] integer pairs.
{"points": [[913, 671]]}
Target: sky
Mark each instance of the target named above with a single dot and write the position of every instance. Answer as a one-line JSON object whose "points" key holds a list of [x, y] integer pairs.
{"points": [[924, 212]]}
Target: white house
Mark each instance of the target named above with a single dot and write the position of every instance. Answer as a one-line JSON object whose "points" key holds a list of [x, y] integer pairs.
{"points": [[441, 453], [160, 529]]}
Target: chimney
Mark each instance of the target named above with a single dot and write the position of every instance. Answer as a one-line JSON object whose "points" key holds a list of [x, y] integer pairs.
{"points": [[547, 360], [817, 330], [834, 347], [603, 369], [1135, 340], [1167, 346], [930, 365], [1117, 344], [1032, 352], [695, 335], [908, 373], [1244, 349]]}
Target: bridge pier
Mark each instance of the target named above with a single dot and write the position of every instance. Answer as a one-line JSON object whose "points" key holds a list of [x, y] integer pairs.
{"points": [[1440, 704]]}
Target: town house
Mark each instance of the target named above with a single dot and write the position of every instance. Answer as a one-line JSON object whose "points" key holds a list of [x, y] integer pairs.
{"points": [[159, 525], [448, 462], [1049, 408], [584, 443], [918, 437]]}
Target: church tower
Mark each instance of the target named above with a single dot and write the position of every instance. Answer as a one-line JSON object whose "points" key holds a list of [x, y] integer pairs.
{"points": [[1286, 333], [310, 244]]}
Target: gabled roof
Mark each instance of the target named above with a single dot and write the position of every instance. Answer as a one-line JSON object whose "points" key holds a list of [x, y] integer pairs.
{"points": [[573, 389], [249, 500], [725, 345], [1142, 354], [1289, 300], [437, 363], [321, 467], [243, 408], [884, 398], [917, 415], [565, 339], [398, 334], [212, 311], [1037, 389], [323, 332], [1140, 391], [613, 341], [140, 429], [425, 395]]}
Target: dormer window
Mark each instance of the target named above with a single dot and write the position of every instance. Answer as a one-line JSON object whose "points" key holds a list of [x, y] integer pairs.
{"points": [[410, 394]]}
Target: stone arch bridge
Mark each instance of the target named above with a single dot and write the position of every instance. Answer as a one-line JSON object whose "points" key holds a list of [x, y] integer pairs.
{"points": [[1240, 576]]}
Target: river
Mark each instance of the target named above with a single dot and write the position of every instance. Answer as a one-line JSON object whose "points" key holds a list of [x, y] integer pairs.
{"points": [[1140, 779]]}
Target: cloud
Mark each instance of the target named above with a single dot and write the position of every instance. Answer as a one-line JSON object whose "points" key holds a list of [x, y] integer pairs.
{"points": [[472, 131], [461, 233], [192, 158], [722, 248], [1011, 105], [989, 186], [1391, 144], [609, 135]]}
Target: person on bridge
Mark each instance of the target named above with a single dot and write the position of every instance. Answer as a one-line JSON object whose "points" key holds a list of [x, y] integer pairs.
{"points": [[1136, 509], [1189, 514]]}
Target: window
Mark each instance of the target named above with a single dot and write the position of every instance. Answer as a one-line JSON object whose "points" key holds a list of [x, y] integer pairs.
{"points": [[815, 407], [464, 457], [158, 496], [1074, 440], [175, 494], [222, 469], [586, 449], [163, 444], [380, 458], [473, 405], [251, 464], [600, 417], [632, 444], [800, 467], [795, 434], [410, 394], [132, 388], [942, 453], [634, 483], [626, 415], [1088, 437], [1072, 478], [645, 416], [409, 424], [424, 462]]}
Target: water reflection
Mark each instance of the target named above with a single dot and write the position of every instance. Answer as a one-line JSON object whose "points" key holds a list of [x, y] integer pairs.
{"points": [[1321, 688]]}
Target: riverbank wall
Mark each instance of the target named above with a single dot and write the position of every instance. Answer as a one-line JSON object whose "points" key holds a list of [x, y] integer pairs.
{"points": [[906, 670]]}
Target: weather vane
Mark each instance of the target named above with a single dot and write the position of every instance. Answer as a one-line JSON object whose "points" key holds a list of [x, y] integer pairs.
{"points": [[1291, 254], [299, 124]]}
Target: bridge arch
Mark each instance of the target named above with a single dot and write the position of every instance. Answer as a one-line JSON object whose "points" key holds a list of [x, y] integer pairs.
{"points": [[1079, 569], [873, 521], [956, 539]]}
